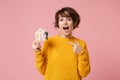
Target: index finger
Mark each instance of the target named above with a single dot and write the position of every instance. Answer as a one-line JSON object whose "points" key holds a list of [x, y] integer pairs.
{"points": [[71, 43], [76, 41]]}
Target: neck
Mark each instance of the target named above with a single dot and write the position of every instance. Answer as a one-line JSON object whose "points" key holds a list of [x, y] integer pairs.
{"points": [[66, 36]]}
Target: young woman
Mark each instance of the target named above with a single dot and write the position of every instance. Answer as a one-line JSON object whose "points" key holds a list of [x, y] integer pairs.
{"points": [[63, 56]]}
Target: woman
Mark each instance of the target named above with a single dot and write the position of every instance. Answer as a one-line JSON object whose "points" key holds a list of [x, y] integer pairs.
{"points": [[63, 57]]}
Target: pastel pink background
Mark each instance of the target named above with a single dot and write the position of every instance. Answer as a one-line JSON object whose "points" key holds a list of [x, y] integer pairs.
{"points": [[100, 28]]}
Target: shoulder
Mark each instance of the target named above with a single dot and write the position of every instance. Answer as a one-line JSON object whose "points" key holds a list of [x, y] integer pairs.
{"points": [[80, 40]]}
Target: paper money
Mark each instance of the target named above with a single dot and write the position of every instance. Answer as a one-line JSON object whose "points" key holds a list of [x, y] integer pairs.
{"points": [[41, 34]]}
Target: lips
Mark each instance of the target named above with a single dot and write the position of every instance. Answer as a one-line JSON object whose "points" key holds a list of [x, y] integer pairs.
{"points": [[65, 28]]}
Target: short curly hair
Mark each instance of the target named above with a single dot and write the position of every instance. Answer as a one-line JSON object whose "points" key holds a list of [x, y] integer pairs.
{"points": [[70, 13]]}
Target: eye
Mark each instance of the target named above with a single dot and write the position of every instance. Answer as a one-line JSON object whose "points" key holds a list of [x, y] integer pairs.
{"points": [[60, 19], [69, 19]]}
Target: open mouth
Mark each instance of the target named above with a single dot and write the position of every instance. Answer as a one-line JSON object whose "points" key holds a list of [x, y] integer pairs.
{"points": [[65, 28]]}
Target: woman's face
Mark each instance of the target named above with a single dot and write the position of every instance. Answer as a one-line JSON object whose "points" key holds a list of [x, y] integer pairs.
{"points": [[65, 26]]}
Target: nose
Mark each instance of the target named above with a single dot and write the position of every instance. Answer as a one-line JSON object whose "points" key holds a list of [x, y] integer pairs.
{"points": [[65, 22]]}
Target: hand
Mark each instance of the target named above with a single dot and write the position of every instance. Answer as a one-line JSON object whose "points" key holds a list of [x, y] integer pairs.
{"points": [[36, 45], [76, 47]]}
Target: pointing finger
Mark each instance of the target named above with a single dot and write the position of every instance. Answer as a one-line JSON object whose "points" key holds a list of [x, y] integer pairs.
{"points": [[76, 41], [71, 43]]}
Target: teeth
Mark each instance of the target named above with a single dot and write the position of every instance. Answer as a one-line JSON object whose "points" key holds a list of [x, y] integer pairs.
{"points": [[65, 27]]}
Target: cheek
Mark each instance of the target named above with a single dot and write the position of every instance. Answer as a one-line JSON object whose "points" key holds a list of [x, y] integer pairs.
{"points": [[60, 27], [71, 28], [71, 25], [59, 24]]}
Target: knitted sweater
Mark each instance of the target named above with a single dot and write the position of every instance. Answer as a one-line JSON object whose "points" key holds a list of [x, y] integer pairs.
{"points": [[57, 61]]}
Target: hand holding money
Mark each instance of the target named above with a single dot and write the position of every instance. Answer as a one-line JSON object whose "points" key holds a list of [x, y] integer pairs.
{"points": [[39, 35]]}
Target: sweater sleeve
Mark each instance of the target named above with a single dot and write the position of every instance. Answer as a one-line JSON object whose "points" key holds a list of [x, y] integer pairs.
{"points": [[83, 62], [41, 59]]}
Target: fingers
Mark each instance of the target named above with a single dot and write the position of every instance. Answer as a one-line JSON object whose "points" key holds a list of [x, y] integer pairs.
{"points": [[76, 41], [71, 43], [76, 46], [36, 45]]}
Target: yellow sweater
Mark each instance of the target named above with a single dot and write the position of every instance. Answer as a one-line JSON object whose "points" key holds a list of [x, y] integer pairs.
{"points": [[57, 61]]}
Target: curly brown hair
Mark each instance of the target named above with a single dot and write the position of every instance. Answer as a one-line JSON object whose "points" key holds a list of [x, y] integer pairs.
{"points": [[68, 12]]}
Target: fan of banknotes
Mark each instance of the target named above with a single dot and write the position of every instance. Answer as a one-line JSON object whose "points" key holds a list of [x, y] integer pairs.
{"points": [[41, 34]]}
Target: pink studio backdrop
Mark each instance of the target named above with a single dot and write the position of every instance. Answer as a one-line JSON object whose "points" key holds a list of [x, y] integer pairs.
{"points": [[100, 28]]}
